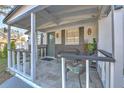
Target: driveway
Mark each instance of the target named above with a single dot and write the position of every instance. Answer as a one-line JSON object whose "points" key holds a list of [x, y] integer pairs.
{"points": [[14, 82]]}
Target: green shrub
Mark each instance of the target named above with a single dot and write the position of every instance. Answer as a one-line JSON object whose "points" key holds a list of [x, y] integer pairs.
{"points": [[3, 54], [13, 45], [90, 48], [5, 51]]}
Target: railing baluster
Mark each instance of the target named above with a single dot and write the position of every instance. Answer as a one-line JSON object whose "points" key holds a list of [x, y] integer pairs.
{"points": [[112, 75], [63, 73], [87, 74], [41, 52], [13, 59], [44, 51], [18, 60], [24, 62]]}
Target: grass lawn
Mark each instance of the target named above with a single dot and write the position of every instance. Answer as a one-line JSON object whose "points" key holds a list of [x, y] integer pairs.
{"points": [[3, 64], [4, 75]]}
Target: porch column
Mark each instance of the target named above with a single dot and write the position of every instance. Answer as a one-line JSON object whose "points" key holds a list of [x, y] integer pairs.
{"points": [[9, 47], [112, 65], [33, 47], [87, 74], [63, 73], [36, 45]]}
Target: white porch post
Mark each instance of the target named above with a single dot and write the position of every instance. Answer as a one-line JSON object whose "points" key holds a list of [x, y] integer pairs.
{"points": [[18, 60], [9, 47], [36, 45], [33, 47], [87, 74], [63, 73], [13, 59], [112, 64], [24, 62]]}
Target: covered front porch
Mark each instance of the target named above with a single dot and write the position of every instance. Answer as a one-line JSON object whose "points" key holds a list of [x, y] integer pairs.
{"points": [[53, 73], [49, 74]]}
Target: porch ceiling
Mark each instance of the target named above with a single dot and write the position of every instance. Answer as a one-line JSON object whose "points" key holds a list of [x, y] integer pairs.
{"points": [[57, 15]]}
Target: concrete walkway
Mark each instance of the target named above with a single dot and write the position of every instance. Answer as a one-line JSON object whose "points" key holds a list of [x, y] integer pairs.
{"points": [[14, 82]]}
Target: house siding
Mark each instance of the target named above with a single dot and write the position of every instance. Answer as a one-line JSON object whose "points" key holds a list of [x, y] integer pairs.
{"points": [[105, 43], [61, 47], [60, 44]]}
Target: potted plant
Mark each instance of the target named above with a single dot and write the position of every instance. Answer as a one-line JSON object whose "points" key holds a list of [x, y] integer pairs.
{"points": [[90, 48]]}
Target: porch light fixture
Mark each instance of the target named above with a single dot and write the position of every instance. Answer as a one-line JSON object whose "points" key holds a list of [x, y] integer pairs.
{"points": [[89, 32], [57, 35]]}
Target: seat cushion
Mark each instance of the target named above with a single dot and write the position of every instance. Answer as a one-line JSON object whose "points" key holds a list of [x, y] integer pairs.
{"points": [[75, 69]]}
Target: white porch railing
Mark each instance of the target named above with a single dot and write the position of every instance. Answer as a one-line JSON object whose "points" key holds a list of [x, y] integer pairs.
{"points": [[20, 61], [108, 58]]}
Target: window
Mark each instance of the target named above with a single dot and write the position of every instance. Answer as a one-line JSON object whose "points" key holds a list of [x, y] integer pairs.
{"points": [[72, 37], [38, 38]]}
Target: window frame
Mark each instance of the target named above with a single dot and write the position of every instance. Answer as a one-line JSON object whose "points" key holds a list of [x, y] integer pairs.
{"points": [[75, 39]]}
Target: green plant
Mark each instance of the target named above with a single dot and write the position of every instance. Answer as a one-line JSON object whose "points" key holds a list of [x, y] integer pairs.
{"points": [[5, 51], [0, 54], [3, 54], [94, 44], [13, 45], [90, 48]]}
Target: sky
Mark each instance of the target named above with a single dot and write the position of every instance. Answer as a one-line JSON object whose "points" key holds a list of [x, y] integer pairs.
{"points": [[1, 23], [21, 31]]}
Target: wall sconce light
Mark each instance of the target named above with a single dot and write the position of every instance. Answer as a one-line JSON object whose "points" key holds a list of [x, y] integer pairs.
{"points": [[89, 31], [57, 35]]}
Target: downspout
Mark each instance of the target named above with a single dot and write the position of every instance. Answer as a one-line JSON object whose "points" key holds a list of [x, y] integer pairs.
{"points": [[112, 65], [113, 52]]}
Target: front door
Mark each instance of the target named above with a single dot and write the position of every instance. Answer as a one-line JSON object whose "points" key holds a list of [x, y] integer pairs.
{"points": [[51, 44]]}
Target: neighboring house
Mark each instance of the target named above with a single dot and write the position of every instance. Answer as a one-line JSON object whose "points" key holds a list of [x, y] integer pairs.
{"points": [[65, 28], [21, 42], [3, 39]]}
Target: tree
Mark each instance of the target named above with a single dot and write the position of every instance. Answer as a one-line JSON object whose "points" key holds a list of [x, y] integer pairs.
{"points": [[13, 45], [5, 51]]}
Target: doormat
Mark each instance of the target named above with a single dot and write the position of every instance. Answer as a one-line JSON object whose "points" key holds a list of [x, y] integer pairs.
{"points": [[47, 59]]}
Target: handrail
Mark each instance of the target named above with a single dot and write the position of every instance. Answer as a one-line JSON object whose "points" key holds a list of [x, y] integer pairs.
{"points": [[64, 55], [83, 57], [19, 50], [107, 54], [107, 58]]}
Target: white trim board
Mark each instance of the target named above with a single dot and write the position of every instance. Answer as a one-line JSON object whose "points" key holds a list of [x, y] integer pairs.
{"points": [[28, 81]]}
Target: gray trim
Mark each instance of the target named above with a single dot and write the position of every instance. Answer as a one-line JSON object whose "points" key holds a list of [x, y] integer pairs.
{"points": [[63, 36], [107, 54], [81, 36], [85, 57]]}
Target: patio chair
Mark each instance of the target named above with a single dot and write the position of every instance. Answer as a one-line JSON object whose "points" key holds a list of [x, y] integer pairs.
{"points": [[77, 67]]}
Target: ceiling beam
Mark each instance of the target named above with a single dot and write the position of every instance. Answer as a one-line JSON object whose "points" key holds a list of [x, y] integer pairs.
{"points": [[49, 15], [103, 11], [66, 25], [78, 8], [45, 17]]}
